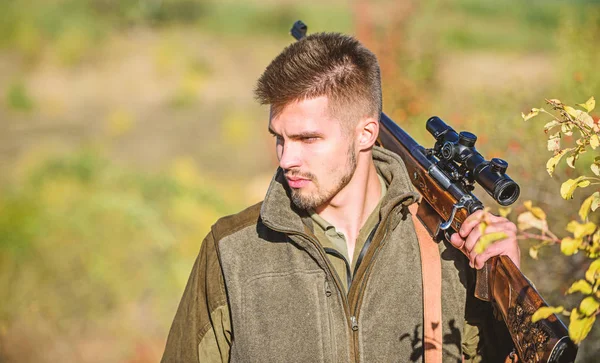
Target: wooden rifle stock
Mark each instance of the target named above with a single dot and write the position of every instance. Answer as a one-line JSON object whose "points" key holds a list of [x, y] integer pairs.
{"points": [[500, 281]]}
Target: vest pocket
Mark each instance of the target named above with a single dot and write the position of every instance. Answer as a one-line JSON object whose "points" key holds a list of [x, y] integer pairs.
{"points": [[285, 318]]}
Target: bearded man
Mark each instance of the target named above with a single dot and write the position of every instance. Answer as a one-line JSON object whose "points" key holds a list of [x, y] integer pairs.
{"points": [[327, 268]]}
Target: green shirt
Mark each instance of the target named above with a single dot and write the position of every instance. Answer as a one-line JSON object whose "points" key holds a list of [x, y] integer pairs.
{"points": [[331, 239]]}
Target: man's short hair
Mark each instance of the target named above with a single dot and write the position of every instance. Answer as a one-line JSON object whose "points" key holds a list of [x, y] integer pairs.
{"points": [[324, 64]]}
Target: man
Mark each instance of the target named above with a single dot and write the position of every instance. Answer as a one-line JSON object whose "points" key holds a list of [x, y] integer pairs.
{"points": [[327, 267]]}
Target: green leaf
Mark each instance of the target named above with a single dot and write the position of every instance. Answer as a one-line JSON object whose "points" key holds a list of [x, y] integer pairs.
{"points": [[580, 326], [580, 230], [593, 271], [487, 239], [581, 286], [568, 188], [594, 141], [589, 306], [544, 312], [569, 246], [589, 104], [553, 161], [534, 112]]}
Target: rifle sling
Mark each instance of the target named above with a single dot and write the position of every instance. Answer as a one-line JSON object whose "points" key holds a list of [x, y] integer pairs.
{"points": [[431, 268]]}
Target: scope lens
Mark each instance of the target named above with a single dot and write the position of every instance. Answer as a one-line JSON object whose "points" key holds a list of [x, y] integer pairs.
{"points": [[507, 193]]}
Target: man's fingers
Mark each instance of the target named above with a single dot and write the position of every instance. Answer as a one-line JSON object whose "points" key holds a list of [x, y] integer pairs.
{"points": [[474, 219], [496, 249], [473, 239], [469, 237], [457, 241], [471, 222]]}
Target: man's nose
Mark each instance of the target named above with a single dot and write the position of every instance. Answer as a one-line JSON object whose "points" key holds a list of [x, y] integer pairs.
{"points": [[289, 156]]}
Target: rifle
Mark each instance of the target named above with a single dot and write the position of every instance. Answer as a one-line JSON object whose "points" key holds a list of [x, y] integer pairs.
{"points": [[445, 176]]}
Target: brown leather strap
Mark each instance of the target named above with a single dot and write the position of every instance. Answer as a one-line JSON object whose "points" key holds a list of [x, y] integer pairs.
{"points": [[431, 268]]}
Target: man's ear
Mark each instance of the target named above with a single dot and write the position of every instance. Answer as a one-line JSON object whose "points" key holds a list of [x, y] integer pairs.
{"points": [[367, 132]]}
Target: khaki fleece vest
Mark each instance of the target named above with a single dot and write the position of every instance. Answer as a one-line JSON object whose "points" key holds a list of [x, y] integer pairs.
{"points": [[265, 270]]}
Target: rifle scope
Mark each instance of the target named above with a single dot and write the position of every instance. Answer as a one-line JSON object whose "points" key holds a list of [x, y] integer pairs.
{"points": [[459, 148]]}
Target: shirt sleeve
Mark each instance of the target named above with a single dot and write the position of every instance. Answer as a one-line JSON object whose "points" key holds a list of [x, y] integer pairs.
{"points": [[201, 329]]}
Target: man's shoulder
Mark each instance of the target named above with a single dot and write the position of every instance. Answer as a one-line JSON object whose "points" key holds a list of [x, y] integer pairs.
{"points": [[231, 224]]}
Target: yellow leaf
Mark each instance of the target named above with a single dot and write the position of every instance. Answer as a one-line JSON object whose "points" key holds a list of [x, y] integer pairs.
{"points": [[581, 116], [527, 220], [595, 201], [482, 227], [585, 230], [594, 141], [593, 271], [580, 326], [533, 252], [568, 188], [544, 312], [571, 111], [555, 102], [581, 286], [595, 169], [587, 119], [589, 306], [550, 125], [571, 160], [581, 230], [487, 239], [536, 211], [569, 246], [534, 112], [504, 212], [566, 129], [589, 104], [553, 161], [585, 207]]}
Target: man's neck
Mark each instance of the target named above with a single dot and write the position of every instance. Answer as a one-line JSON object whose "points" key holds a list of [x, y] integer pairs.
{"points": [[349, 209]]}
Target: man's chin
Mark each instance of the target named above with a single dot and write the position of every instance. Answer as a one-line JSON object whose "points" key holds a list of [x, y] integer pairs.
{"points": [[304, 201]]}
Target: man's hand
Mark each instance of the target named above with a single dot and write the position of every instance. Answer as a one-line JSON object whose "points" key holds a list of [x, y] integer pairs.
{"points": [[470, 232]]}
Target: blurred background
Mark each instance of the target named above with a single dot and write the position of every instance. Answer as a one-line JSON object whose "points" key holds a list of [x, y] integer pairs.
{"points": [[128, 127]]}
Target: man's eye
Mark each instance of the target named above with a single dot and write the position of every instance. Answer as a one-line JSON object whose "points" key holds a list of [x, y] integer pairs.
{"points": [[309, 140]]}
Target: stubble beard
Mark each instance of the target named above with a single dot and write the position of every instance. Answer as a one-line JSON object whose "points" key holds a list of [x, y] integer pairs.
{"points": [[318, 198]]}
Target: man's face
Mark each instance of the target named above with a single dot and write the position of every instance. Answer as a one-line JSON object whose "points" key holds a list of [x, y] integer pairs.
{"points": [[315, 152]]}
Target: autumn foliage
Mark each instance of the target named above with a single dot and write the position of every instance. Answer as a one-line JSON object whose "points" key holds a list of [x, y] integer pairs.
{"points": [[581, 154]]}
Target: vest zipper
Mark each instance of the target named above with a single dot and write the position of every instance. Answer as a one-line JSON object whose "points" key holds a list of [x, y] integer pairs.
{"points": [[354, 323], [352, 320], [356, 311], [331, 271]]}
